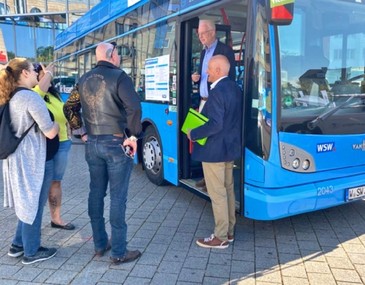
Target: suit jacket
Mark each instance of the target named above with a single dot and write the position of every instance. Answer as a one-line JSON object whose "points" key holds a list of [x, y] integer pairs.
{"points": [[224, 110], [225, 50]]}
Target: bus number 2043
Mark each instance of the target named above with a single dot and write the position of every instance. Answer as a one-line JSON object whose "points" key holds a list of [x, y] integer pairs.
{"points": [[321, 191]]}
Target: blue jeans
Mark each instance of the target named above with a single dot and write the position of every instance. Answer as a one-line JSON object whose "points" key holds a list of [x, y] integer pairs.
{"points": [[108, 164], [29, 236], [60, 160]]}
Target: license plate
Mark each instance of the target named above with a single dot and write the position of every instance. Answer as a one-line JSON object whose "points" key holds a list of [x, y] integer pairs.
{"points": [[355, 193]]}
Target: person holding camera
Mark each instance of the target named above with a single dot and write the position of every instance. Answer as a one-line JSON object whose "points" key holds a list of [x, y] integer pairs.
{"points": [[54, 103]]}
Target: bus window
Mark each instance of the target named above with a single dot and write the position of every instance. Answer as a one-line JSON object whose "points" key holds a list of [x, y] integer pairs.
{"points": [[65, 79], [320, 69]]}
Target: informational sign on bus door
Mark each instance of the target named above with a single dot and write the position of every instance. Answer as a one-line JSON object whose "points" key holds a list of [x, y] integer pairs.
{"points": [[157, 78]]}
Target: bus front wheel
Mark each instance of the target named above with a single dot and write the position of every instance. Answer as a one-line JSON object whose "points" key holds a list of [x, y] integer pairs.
{"points": [[152, 156]]}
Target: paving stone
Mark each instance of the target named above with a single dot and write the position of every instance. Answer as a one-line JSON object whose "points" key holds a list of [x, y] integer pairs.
{"points": [[196, 262], [144, 271], [220, 271], [360, 268], [339, 262], [191, 275], [317, 267], [293, 269], [137, 281], [62, 277], [164, 278], [114, 276], [246, 267], [215, 281], [321, 279], [292, 248], [222, 257], [294, 281], [28, 273], [9, 282], [175, 255], [308, 245], [241, 278], [168, 266], [337, 251], [345, 275], [273, 275], [285, 258], [149, 258]]}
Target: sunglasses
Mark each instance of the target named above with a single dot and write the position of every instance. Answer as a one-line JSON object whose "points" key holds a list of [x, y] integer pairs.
{"points": [[114, 44]]}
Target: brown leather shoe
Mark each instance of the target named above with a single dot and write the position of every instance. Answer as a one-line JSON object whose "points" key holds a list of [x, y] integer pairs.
{"points": [[212, 242], [130, 256], [101, 252], [230, 238], [200, 183]]}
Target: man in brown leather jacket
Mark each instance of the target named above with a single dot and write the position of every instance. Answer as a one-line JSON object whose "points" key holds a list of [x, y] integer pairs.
{"points": [[111, 110]]}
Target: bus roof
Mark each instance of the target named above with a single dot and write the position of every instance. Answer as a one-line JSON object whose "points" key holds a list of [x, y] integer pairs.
{"points": [[108, 10], [101, 13]]}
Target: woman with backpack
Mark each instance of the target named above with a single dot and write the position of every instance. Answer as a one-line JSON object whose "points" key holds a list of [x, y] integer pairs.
{"points": [[26, 173]]}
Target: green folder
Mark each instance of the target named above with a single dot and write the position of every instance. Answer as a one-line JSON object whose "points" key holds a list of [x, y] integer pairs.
{"points": [[193, 120]]}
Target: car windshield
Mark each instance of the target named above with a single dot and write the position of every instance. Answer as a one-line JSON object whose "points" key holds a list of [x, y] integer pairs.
{"points": [[322, 58]]}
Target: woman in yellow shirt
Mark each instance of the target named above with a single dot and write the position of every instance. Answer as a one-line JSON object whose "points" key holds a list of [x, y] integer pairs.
{"points": [[55, 105]]}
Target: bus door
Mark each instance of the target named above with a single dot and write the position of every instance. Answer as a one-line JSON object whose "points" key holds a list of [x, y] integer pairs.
{"points": [[232, 35]]}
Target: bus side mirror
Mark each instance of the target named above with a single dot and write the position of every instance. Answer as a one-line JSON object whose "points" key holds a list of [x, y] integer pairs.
{"points": [[280, 12]]}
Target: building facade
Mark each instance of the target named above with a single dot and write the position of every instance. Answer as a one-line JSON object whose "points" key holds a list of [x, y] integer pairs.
{"points": [[28, 28]]}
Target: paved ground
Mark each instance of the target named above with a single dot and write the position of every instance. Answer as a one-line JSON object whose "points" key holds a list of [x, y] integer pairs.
{"points": [[326, 247]]}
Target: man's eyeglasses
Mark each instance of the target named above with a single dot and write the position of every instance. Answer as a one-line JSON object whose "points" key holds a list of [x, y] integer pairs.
{"points": [[203, 33], [114, 44]]}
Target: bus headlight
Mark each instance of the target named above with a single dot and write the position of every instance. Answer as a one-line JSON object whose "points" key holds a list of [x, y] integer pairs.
{"points": [[296, 163], [306, 164], [296, 159]]}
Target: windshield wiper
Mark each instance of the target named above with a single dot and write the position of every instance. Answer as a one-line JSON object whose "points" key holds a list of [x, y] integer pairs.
{"points": [[314, 123]]}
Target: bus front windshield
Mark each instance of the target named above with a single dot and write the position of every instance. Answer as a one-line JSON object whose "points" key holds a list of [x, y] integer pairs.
{"points": [[322, 61]]}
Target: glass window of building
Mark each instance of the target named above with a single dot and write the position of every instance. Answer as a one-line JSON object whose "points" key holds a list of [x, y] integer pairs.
{"points": [[28, 28]]}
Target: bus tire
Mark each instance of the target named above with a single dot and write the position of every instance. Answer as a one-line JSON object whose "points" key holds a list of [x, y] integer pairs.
{"points": [[152, 156]]}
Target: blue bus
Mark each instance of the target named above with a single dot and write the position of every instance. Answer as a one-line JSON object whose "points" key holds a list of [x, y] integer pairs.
{"points": [[301, 66]]}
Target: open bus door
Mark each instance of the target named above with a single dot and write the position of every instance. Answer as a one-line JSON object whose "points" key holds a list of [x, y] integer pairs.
{"points": [[192, 171]]}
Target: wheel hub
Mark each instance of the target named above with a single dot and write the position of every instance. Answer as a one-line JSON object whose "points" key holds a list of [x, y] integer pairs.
{"points": [[152, 155]]}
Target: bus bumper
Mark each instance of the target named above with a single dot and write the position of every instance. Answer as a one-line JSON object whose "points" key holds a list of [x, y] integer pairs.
{"points": [[272, 204]]}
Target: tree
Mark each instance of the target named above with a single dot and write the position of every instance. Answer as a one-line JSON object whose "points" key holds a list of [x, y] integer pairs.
{"points": [[11, 55], [45, 54]]}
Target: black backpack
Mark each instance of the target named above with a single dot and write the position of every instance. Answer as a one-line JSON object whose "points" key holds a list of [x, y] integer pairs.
{"points": [[9, 141]]}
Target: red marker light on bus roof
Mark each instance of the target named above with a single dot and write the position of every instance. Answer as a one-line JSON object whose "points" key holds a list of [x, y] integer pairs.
{"points": [[281, 13]]}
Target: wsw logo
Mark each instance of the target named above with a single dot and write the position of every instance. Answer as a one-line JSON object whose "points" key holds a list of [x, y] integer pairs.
{"points": [[326, 147]]}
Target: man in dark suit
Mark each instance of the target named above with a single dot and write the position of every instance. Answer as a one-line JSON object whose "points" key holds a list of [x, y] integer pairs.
{"points": [[207, 36], [224, 111]]}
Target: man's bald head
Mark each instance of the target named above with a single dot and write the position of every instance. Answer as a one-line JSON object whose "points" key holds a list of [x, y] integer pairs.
{"points": [[218, 67], [222, 62], [107, 52]]}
